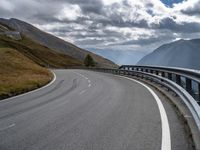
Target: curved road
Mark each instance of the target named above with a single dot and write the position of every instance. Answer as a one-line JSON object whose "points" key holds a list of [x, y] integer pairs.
{"points": [[84, 110]]}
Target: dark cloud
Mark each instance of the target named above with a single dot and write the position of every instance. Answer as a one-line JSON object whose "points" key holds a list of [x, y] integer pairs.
{"points": [[194, 10], [141, 41], [158, 38], [93, 41], [171, 24], [87, 6]]}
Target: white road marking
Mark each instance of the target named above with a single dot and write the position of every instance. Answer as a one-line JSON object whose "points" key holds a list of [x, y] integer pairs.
{"points": [[89, 82], [54, 79], [83, 91], [187, 116], [166, 139], [81, 75], [5, 128]]}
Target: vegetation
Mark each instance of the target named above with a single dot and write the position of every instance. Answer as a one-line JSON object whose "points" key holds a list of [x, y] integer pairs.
{"points": [[18, 74], [89, 61], [22, 62], [40, 54]]}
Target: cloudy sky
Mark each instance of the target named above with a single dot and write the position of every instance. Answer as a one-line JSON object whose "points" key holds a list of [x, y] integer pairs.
{"points": [[122, 30]]}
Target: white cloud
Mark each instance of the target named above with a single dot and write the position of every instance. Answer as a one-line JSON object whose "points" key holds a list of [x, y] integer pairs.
{"points": [[70, 12], [7, 5], [109, 2]]}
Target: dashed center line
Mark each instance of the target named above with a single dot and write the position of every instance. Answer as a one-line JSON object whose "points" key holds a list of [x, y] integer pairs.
{"points": [[83, 91], [81, 75], [89, 82]]}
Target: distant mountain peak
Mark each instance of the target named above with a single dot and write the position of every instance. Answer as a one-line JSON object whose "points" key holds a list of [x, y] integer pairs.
{"points": [[182, 53]]}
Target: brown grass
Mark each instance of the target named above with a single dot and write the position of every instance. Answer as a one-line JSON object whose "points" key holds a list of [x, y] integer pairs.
{"points": [[18, 74], [40, 54]]}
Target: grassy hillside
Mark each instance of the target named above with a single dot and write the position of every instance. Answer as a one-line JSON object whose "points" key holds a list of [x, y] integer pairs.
{"points": [[53, 42], [19, 74], [38, 53], [21, 64]]}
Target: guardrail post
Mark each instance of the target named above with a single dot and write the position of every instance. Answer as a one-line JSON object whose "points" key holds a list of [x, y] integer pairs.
{"points": [[151, 71], [169, 76], [189, 85], [178, 79], [156, 72], [127, 72], [198, 93], [163, 74]]}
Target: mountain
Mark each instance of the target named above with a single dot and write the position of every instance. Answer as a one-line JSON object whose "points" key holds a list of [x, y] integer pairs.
{"points": [[38, 53], [19, 74], [181, 53], [51, 41]]}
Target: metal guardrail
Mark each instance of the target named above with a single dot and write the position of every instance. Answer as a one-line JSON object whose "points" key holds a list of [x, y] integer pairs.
{"points": [[187, 78], [184, 82]]}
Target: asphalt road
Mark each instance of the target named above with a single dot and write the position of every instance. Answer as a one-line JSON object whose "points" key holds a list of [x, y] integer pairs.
{"points": [[84, 110]]}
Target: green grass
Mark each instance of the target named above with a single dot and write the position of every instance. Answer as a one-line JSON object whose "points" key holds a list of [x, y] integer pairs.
{"points": [[18, 74]]}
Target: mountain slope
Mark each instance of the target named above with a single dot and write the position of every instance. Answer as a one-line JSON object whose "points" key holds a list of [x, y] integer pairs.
{"points": [[38, 53], [19, 74], [182, 53], [53, 42]]}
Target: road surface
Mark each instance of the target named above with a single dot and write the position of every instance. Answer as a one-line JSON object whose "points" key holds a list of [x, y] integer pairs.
{"points": [[85, 110]]}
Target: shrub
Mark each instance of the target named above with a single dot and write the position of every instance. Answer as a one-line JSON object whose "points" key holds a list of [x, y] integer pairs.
{"points": [[89, 61]]}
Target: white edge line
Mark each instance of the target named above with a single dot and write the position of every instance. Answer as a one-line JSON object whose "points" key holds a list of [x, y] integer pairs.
{"points": [[54, 78], [166, 140]]}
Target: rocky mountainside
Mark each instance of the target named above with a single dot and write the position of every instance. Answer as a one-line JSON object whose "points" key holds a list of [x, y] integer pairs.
{"points": [[181, 53], [51, 41]]}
